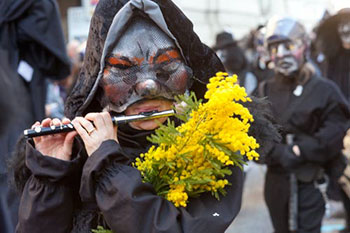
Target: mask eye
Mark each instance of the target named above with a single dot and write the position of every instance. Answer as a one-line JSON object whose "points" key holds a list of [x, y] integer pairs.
{"points": [[171, 67], [290, 46], [166, 70], [119, 63], [273, 50], [121, 67]]}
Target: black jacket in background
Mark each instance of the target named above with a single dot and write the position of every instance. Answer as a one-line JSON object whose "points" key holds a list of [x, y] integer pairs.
{"points": [[317, 118], [30, 30], [339, 71]]}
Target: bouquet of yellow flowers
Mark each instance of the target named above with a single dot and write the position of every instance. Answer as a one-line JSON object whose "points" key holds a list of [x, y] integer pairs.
{"points": [[196, 156]]}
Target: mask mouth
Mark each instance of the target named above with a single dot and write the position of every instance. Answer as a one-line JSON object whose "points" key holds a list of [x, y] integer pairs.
{"points": [[285, 64], [345, 33], [345, 37], [141, 106]]}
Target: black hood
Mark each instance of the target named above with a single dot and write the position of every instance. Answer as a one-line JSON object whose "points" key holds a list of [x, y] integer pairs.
{"points": [[31, 29], [199, 57]]}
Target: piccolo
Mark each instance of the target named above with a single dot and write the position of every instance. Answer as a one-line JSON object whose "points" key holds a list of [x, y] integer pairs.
{"points": [[117, 120]]}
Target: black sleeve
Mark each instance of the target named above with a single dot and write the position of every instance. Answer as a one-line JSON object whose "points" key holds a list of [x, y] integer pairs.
{"points": [[131, 206], [46, 203], [327, 142]]}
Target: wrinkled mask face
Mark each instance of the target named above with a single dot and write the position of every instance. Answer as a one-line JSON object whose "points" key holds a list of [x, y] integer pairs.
{"points": [[287, 56], [144, 64], [344, 32]]}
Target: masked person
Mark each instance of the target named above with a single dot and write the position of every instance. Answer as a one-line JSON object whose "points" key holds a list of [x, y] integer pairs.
{"points": [[139, 55], [260, 62], [31, 52], [333, 44], [311, 112], [234, 60]]}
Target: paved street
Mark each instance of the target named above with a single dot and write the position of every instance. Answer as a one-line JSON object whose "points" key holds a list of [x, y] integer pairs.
{"points": [[254, 217]]}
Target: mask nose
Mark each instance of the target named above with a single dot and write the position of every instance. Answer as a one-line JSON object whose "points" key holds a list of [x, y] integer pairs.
{"points": [[282, 50], [147, 87]]}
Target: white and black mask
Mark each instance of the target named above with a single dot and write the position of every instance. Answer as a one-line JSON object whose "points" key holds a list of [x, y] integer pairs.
{"points": [[288, 56], [144, 64], [344, 32], [285, 39]]}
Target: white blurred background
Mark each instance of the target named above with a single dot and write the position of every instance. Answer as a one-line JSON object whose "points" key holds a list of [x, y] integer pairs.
{"points": [[212, 16], [239, 16]]}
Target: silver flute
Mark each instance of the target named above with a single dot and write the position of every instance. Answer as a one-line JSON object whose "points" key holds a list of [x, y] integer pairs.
{"points": [[117, 120]]}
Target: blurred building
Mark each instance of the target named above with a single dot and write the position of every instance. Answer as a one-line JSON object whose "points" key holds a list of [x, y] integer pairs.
{"points": [[64, 5], [212, 16]]}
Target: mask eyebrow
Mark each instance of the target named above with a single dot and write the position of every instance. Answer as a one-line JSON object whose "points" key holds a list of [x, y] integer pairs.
{"points": [[119, 61], [165, 55]]}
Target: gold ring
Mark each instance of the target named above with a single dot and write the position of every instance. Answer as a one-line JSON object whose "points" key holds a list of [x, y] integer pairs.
{"points": [[90, 131]]}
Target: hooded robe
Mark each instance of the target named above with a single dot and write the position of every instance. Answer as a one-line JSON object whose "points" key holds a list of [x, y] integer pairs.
{"points": [[104, 189]]}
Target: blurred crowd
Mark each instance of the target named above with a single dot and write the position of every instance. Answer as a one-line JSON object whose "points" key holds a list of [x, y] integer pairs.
{"points": [[305, 77], [57, 91], [277, 60], [37, 70]]}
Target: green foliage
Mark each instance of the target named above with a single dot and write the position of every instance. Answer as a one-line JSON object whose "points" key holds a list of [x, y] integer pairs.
{"points": [[100, 229]]}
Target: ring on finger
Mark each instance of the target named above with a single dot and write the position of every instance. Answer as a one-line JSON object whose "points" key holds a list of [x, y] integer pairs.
{"points": [[90, 131]]}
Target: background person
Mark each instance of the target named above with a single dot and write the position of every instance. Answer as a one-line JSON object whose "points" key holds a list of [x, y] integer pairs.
{"points": [[311, 112], [234, 60], [31, 50]]}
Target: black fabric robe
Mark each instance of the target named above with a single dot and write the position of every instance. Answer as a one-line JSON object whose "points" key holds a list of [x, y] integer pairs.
{"points": [[30, 31], [318, 122], [111, 186], [339, 71]]}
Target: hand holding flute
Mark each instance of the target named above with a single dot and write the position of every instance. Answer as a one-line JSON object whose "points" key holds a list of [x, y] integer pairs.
{"points": [[94, 128], [40, 131], [57, 146], [55, 138]]}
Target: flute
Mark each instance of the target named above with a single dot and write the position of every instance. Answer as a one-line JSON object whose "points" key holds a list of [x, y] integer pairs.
{"points": [[117, 120]]}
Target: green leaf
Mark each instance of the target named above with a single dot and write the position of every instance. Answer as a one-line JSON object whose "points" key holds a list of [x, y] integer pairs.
{"points": [[100, 229]]}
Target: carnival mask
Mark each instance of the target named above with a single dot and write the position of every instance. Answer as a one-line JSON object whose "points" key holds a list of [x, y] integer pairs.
{"points": [[144, 64], [288, 56], [344, 32]]}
